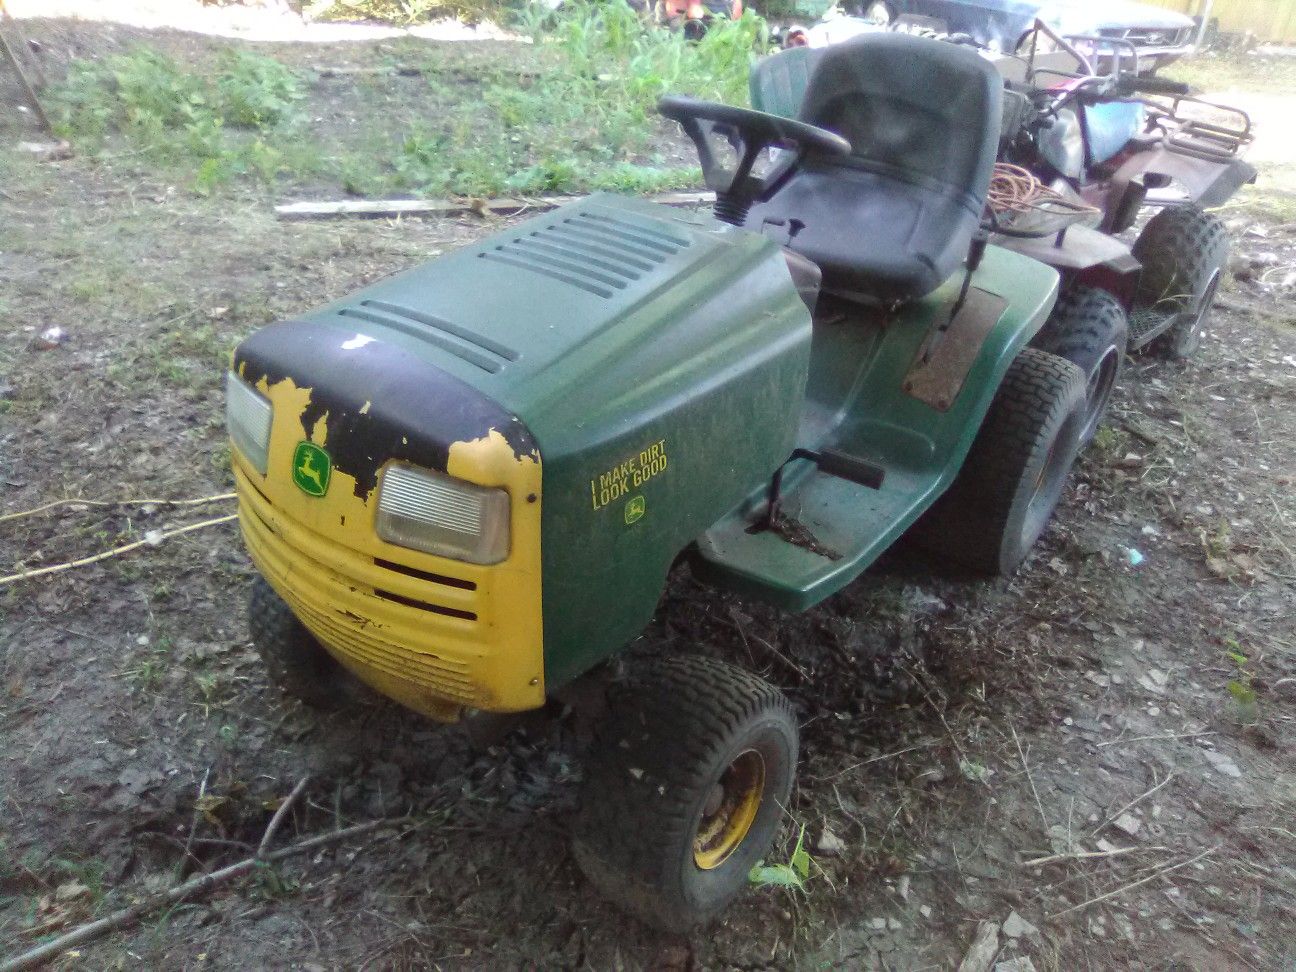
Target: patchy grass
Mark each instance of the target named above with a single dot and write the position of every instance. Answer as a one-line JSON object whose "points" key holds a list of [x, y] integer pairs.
{"points": [[244, 120], [1249, 72], [576, 110], [585, 118], [403, 12]]}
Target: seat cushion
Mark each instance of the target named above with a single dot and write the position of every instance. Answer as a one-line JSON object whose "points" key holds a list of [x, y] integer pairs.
{"points": [[895, 218], [874, 238]]}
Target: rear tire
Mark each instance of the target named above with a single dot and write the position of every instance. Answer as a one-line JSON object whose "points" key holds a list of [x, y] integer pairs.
{"points": [[1014, 474], [685, 789], [1089, 328], [1184, 251], [295, 661]]}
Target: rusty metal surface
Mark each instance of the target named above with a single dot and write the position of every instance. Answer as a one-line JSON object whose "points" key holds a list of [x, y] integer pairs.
{"points": [[942, 365], [1079, 249], [1210, 181]]}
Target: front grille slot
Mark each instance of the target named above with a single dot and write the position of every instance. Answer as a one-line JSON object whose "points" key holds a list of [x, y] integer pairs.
{"points": [[425, 606], [463, 585]]}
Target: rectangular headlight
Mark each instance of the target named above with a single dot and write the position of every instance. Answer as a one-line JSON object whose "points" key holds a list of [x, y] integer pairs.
{"points": [[247, 416], [439, 514]]}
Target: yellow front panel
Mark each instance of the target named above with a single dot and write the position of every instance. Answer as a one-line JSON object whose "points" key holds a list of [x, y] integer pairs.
{"points": [[432, 633]]}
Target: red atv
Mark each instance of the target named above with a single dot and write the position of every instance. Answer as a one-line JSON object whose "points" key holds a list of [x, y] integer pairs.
{"points": [[1098, 151], [691, 16]]}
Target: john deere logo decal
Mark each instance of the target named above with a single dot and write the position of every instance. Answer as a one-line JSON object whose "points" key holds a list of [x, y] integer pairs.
{"points": [[311, 469], [635, 508]]}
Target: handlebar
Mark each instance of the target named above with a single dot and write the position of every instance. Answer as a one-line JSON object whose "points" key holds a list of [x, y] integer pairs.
{"points": [[1131, 84]]}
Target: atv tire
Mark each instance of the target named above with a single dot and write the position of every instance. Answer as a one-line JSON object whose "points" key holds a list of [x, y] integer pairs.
{"points": [[1184, 251], [685, 788], [1089, 328], [1014, 474], [295, 661]]}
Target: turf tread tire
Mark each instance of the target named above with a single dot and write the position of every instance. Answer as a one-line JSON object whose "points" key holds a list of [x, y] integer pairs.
{"points": [[1180, 248], [982, 521], [669, 726], [294, 660], [1085, 325]]}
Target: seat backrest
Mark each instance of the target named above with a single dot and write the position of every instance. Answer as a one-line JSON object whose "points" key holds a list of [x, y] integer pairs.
{"points": [[915, 110], [777, 83]]}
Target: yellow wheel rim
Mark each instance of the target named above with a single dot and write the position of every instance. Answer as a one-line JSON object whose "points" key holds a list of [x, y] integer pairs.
{"points": [[730, 810]]}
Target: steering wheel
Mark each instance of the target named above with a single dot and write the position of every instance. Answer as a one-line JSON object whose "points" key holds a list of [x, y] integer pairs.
{"points": [[749, 133]]}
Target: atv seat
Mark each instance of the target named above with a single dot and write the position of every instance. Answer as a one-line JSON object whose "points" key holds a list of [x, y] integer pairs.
{"points": [[895, 218]]}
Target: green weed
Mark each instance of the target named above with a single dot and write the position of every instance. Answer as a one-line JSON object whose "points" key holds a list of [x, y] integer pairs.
{"points": [[258, 92], [1240, 688], [242, 121], [587, 119], [400, 11], [793, 874]]}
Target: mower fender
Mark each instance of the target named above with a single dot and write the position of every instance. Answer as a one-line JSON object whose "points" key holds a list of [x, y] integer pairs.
{"points": [[904, 393]]}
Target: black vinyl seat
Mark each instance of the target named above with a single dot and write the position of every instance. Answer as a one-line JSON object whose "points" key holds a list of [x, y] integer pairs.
{"points": [[895, 218]]}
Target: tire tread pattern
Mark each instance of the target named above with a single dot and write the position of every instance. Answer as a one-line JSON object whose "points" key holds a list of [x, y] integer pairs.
{"points": [[972, 523], [1085, 322], [649, 761], [1180, 248], [294, 660]]}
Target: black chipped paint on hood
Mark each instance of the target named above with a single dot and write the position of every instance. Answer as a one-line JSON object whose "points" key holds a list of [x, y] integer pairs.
{"points": [[415, 413]]}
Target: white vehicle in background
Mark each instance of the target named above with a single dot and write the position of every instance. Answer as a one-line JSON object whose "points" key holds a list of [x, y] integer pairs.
{"points": [[1156, 35]]}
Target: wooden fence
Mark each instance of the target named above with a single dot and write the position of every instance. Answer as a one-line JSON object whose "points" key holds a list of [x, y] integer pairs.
{"points": [[1270, 20]]}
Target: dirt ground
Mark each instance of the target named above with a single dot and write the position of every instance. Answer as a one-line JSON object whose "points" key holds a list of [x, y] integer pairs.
{"points": [[1102, 747]]}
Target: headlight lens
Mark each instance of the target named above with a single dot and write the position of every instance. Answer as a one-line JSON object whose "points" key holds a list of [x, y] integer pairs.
{"points": [[438, 514], [247, 416]]}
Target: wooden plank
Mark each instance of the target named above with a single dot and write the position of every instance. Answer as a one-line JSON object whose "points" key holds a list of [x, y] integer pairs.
{"points": [[395, 208]]}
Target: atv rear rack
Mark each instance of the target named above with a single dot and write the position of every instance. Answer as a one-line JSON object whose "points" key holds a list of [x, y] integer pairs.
{"points": [[1191, 136]]}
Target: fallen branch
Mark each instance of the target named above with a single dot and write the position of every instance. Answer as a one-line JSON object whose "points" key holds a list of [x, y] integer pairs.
{"points": [[1030, 779], [390, 208], [199, 885], [874, 759], [1129, 806], [1164, 735], [115, 551], [1086, 855], [201, 501], [1122, 889], [193, 825], [279, 815]]}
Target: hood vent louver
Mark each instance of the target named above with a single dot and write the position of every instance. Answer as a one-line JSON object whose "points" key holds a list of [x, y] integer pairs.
{"points": [[592, 252], [447, 336]]}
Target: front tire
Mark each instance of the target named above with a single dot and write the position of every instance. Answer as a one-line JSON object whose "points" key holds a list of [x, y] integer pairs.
{"points": [[1089, 328], [1184, 251], [294, 660], [1014, 474], [686, 786]]}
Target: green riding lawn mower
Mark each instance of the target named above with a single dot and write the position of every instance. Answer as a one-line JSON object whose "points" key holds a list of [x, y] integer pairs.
{"points": [[466, 484]]}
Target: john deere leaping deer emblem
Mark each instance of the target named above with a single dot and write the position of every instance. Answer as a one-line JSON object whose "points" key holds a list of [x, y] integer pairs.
{"points": [[311, 469]]}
